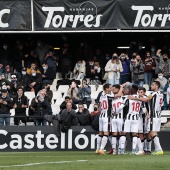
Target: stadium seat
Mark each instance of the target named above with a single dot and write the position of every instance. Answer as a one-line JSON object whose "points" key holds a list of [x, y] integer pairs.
{"points": [[58, 75], [93, 88], [91, 108], [12, 111], [165, 113], [63, 88], [30, 95], [56, 95], [100, 88], [146, 86], [54, 82], [94, 95], [164, 120], [59, 101], [53, 88], [55, 109]]}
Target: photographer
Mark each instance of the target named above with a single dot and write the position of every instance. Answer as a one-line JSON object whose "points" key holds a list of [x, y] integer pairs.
{"points": [[85, 93], [20, 105], [41, 106], [5, 106]]}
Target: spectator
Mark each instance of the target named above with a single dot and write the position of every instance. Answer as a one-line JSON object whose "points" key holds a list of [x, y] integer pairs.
{"points": [[89, 66], [149, 68], [167, 96], [79, 70], [20, 102], [50, 59], [18, 56], [162, 80], [64, 103], [5, 105], [41, 50], [48, 92], [114, 67], [83, 115], [96, 110], [41, 107], [35, 81], [99, 57], [66, 62], [106, 59], [125, 74], [1, 68], [164, 66], [24, 79], [95, 117], [137, 67], [68, 117], [157, 60], [48, 74], [8, 72], [84, 93], [165, 93], [73, 92], [4, 82], [33, 66], [96, 75], [14, 86]]}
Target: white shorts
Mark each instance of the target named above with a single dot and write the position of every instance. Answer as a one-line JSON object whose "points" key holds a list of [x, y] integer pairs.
{"points": [[141, 125], [131, 126], [104, 124], [117, 125], [154, 124]]}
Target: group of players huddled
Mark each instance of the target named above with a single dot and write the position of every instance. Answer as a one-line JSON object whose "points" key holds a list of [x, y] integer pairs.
{"points": [[127, 110]]}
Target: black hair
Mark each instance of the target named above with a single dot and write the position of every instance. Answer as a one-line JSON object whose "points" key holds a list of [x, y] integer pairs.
{"points": [[44, 62], [67, 97], [157, 83], [117, 86], [134, 89], [142, 88], [106, 86]]}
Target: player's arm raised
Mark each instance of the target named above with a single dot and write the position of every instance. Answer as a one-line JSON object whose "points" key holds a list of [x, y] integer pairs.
{"points": [[119, 94]]}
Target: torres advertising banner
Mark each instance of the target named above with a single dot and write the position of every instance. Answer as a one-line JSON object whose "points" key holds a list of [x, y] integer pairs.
{"points": [[88, 15], [15, 15], [101, 14]]}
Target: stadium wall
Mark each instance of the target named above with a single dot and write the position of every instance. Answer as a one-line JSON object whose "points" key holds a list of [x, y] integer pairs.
{"points": [[27, 138]]}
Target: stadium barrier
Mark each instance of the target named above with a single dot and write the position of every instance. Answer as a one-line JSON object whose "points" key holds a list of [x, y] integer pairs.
{"points": [[43, 138]]}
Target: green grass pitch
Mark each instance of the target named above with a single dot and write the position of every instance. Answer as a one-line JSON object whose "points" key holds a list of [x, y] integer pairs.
{"points": [[69, 160]]}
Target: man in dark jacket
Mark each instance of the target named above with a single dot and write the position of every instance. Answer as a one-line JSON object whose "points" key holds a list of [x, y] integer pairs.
{"points": [[83, 115], [48, 75], [20, 105], [35, 81], [41, 107], [5, 105], [64, 103]]}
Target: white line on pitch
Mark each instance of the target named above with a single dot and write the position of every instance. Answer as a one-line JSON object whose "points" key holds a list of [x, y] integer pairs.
{"points": [[41, 163]]}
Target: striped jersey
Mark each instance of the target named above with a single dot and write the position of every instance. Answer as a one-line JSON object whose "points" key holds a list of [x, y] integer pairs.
{"points": [[106, 104], [133, 108], [155, 104], [116, 112]]}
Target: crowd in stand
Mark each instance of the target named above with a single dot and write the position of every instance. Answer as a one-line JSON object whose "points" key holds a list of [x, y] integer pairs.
{"points": [[32, 67]]}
